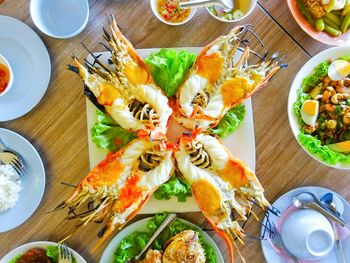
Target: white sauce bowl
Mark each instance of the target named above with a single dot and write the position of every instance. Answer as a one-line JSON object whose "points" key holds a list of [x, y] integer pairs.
{"points": [[60, 18]]}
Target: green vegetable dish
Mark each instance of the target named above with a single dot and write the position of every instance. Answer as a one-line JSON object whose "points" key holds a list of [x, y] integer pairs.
{"points": [[175, 238], [323, 111], [48, 254], [168, 68], [331, 16]]}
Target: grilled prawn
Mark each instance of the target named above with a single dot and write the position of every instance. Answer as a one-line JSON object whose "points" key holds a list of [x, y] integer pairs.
{"points": [[118, 187], [212, 86], [221, 183], [127, 92]]}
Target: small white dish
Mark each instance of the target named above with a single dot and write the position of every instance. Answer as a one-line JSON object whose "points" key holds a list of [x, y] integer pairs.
{"points": [[33, 181], [60, 19], [30, 63], [38, 244], [252, 5], [160, 18], [284, 202], [4, 61], [141, 225], [307, 234], [306, 70]]}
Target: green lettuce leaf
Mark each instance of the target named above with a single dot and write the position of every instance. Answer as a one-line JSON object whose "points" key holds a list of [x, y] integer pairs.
{"points": [[108, 135], [230, 122], [174, 187], [314, 146], [131, 245], [14, 260], [168, 68]]}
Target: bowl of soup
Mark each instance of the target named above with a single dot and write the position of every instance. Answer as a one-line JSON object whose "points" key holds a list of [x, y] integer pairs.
{"points": [[6, 76], [241, 9]]}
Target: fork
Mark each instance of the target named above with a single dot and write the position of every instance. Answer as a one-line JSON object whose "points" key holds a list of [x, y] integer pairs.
{"points": [[276, 240], [64, 254], [12, 158]]}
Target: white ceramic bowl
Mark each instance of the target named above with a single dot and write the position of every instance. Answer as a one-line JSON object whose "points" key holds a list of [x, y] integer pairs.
{"points": [[60, 18], [156, 13], [305, 71], [308, 234], [253, 3], [39, 244], [4, 61]]}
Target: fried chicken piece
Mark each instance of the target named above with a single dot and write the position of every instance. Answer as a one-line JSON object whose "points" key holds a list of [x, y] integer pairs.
{"points": [[184, 247], [316, 7], [152, 256]]}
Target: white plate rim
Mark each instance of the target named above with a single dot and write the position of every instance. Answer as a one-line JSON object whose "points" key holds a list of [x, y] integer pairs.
{"points": [[108, 252], [306, 70], [265, 245], [42, 172], [45, 60], [42, 244]]}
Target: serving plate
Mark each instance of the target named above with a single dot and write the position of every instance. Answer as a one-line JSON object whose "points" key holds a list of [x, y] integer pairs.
{"points": [[241, 143], [285, 201], [40, 244], [323, 37], [30, 64], [305, 71], [33, 181], [141, 225]]}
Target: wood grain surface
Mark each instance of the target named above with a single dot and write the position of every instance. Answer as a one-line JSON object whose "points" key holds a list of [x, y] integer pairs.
{"points": [[57, 125]]}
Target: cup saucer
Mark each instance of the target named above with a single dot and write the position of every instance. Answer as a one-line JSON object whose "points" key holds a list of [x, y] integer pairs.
{"points": [[283, 203]]}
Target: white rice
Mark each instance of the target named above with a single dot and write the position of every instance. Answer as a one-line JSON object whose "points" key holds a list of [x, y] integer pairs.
{"points": [[10, 186]]}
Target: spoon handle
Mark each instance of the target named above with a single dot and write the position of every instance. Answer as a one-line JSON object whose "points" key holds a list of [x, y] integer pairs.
{"points": [[197, 3], [327, 214], [170, 218]]}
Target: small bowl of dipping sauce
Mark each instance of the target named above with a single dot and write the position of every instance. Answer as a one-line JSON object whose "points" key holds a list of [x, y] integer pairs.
{"points": [[6, 76], [170, 13], [60, 18], [241, 9]]}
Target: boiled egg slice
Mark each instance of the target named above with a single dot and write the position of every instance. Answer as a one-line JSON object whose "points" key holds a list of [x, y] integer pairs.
{"points": [[309, 112], [343, 147], [339, 69]]}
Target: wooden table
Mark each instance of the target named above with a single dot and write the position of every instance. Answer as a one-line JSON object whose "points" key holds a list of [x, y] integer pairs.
{"points": [[57, 126]]}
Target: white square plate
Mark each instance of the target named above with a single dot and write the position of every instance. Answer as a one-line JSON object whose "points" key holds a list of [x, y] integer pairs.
{"points": [[241, 143]]}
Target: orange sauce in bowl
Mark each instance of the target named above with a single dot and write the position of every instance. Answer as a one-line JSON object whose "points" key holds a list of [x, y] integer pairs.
{"points": [[4, 77], [171, 11]]}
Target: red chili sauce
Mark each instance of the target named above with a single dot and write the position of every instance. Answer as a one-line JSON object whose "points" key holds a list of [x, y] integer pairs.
{"points": [[4, 77]]}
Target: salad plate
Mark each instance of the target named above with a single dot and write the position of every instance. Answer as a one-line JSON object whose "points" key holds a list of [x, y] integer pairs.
{"points": [[305, 71], [141, 225], [241, 143], [38, 244], [284, 202], [31, 66], [32, 182]]}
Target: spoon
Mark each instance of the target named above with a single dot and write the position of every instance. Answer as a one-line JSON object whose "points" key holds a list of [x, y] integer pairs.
{"points": [[170, 218], [227, 4], [314, 205], [329, 200]]}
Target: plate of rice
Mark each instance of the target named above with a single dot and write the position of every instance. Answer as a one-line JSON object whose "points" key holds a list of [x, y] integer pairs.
{"points": [[20, 196]]}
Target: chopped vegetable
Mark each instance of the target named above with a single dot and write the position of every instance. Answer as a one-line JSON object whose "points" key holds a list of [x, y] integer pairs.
{"points": [[174, 187], [51, 252], [320, 24], [171, 11], [168, 68], [108, 135], [131, 245], [230, 122]]}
